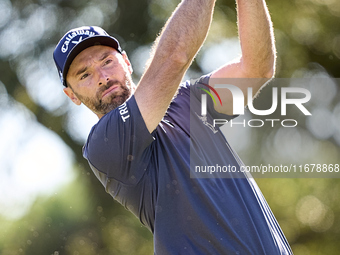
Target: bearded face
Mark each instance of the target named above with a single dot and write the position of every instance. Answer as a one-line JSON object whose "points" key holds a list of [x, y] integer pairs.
{"points": [[100, 78], [115, 94]]}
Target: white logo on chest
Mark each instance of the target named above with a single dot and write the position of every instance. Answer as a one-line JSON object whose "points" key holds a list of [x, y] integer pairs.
{"points": [[123, 111]]}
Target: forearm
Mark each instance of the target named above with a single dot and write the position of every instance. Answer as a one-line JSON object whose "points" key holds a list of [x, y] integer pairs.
{"points": [[257, 38], [185, 31]]}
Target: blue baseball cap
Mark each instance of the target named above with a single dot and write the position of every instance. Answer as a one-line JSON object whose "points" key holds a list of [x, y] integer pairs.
{"points": [[77, 40]]}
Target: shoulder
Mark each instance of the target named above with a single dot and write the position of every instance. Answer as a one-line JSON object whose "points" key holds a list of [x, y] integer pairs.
{"points": [[118, 137]]}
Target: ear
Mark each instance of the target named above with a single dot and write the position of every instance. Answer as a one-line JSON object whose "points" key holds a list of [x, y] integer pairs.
{"points": [[68, 91], [127, 61]]}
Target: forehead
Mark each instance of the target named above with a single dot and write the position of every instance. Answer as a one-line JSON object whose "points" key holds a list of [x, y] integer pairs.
{"points": [[94, 53]]}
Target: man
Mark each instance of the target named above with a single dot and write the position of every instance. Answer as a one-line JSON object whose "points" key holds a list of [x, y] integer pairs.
{"points": [[142, 147]]}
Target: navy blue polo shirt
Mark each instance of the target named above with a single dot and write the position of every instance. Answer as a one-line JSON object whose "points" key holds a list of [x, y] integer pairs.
{"points": [[153, 176]]}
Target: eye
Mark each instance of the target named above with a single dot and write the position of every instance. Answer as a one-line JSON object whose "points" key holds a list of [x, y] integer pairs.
{"points": [[107, 61], [84, 76]]}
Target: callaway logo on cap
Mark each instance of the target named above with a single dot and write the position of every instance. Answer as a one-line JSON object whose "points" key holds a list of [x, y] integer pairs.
{"points": [[77, 40]]}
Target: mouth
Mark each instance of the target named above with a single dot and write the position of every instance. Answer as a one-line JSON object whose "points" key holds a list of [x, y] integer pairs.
{"points": [[109, 91]]}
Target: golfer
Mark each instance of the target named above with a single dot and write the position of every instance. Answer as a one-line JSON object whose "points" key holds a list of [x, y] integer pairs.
{"points": [[149, 135]]}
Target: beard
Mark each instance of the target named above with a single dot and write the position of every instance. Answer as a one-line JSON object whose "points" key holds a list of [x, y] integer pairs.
{"points": [[103, 106]]}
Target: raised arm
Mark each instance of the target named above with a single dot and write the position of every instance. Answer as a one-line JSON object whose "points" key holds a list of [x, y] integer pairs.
{"points": [[258, 52], [173, 52]]}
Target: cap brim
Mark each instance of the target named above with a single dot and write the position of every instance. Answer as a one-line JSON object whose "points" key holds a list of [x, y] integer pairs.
{"points": [[86, 43]]}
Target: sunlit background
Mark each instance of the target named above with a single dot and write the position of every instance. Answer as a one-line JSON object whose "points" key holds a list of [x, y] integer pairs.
{"points": [[51, 203]]}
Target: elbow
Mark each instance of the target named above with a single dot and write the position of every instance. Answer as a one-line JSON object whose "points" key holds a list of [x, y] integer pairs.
{"points": [[265, 73], [266, 70], [269, 66], [181, 60], [179, 56], [269, 73], [169, 63], [261, 65], [177, 62]]}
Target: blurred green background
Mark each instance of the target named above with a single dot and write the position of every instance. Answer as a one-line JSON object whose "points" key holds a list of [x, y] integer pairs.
{"points": [[51, 203]]}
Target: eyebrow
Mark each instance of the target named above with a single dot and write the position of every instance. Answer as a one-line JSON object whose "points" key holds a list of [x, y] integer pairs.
{"points": [[104, 56], [83, 70]]}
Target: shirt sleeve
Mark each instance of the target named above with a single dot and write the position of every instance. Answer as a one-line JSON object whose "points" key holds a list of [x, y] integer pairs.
{"points": [[196, 90], [118, 145]]}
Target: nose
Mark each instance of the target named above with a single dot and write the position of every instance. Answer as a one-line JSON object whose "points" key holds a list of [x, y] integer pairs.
{"points": [[103, 82], [103, 78]]}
